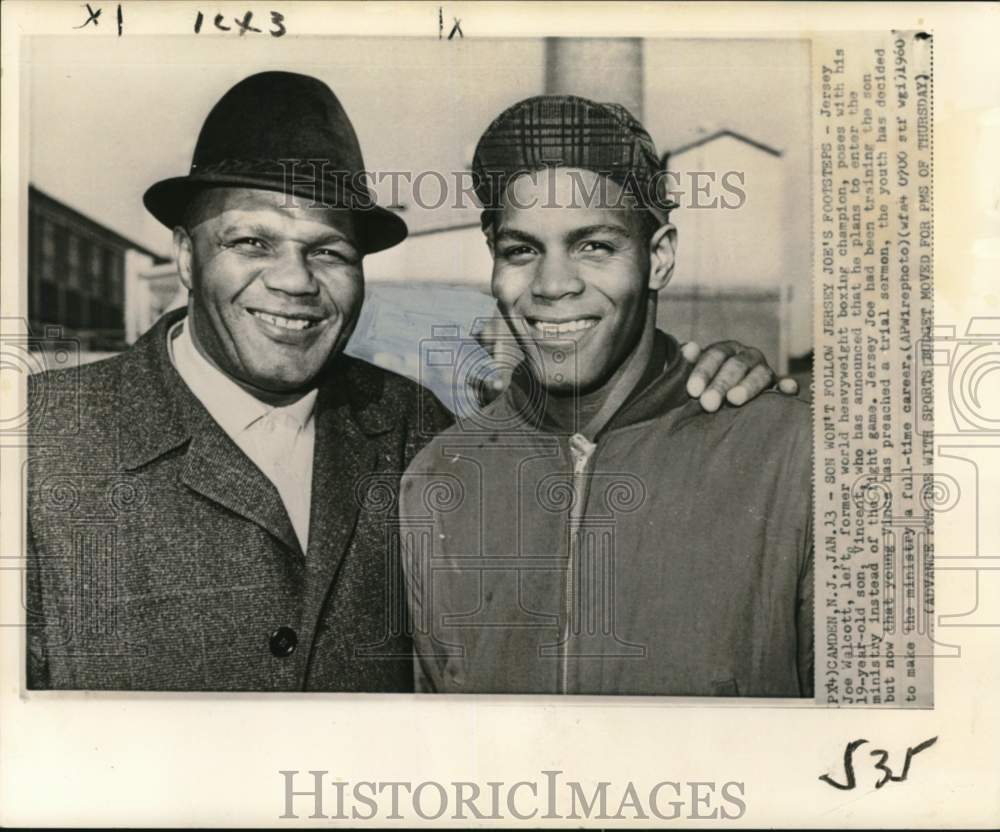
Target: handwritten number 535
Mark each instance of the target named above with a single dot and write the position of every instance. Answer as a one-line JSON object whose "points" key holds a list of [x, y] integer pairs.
{"points": [[882, 755]]}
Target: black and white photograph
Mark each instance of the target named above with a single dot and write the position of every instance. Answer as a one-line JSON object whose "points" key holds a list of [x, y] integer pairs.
{"points": [[412, 408], [279, 364]]}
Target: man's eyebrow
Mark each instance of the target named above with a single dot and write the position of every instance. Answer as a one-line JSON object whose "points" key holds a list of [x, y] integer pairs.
{"points": [[571, 237], [504, 234], [333, 237], [613, 229], [250, 229]]}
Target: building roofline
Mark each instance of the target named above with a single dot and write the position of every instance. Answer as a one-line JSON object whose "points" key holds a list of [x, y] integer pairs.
{"points": [[92, 224], [718, 134], [443, 229]]}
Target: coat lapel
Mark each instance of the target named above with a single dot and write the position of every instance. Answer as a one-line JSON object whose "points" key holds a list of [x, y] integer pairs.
{"points": [[343, 455], [349, 418], [159, 414], [216, 468]]}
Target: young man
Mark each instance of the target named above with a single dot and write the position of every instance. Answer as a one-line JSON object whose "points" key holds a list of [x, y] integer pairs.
{"points": [[194, 513], [596, 531]]}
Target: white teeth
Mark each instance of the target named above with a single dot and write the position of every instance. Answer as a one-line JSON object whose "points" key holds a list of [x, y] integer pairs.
{"points": [[283, 322], [553, 330]]}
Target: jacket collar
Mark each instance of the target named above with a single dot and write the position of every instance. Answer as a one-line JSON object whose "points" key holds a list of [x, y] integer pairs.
{"points": [[232, 406], [662, 391], [155, 407], [158, 413], [663, 394]]}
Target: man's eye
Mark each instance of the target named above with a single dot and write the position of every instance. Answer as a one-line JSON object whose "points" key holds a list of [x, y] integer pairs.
{"points": [[596, 245], [518, 251], [248, 243], [333, 254]]}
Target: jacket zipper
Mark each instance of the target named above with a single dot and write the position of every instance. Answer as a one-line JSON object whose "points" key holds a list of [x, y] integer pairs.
{"points": [[582, 452]]}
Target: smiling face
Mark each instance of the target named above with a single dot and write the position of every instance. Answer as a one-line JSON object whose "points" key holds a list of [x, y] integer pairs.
{"points": [[275, 289], [574, 283]]}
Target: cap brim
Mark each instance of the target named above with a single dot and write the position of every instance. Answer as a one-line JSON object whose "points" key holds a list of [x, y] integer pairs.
{"points": [[167, 200]]}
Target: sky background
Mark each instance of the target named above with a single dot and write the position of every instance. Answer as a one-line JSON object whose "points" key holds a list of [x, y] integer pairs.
{"points": [[107, 119]]}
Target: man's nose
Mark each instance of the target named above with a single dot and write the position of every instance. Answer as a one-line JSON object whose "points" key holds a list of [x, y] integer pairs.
{"points": [[556, 278], [290, 273]]}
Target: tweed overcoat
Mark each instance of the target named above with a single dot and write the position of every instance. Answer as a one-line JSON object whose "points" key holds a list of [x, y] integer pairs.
{"points": [[161, 558]]}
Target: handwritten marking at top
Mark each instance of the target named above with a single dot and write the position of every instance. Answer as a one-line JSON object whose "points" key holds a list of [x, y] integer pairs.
{"points": [[243, 25], [92, 17]]}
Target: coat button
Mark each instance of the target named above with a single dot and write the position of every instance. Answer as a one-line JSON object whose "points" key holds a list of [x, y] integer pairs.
{"points": [[283, 641]]}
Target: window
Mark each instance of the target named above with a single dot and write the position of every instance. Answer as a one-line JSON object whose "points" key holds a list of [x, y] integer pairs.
{"points": [[83, 269], [108, 272], [117, 293], [74, 311], [96, 267], [73, 259], [49, 302], [62, 252], [48, 264]]}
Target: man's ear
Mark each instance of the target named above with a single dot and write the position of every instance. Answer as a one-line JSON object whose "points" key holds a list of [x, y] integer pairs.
{"points": [[183, 252], [662, 252], [489, 235]]}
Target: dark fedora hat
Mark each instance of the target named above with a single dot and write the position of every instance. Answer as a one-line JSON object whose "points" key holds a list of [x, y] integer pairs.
{"points": [[281, 131]]}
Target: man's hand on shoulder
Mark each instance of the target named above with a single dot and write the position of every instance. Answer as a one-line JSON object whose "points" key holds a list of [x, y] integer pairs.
{"points": [[731, 370]]}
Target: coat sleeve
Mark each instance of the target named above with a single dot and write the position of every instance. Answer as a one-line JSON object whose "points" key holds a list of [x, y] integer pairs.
{"points": [[428, 418], [422, 682], [37, 658], [417, 543]]}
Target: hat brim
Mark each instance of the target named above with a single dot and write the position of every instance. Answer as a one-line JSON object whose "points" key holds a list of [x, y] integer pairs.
{"points": [[167, 200]]}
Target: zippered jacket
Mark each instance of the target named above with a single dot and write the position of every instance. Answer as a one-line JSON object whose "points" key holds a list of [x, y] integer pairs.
{"points": [[671, 556]]}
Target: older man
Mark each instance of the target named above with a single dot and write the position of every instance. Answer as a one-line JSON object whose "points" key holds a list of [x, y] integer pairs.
{"points": [[595, 531], [195, 521]]}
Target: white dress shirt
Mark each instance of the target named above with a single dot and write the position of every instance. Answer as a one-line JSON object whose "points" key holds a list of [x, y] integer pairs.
{"points": [[278, 440]]}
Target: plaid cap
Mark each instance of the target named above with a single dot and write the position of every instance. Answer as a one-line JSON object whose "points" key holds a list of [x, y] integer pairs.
{"points": [[568, 131]]}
